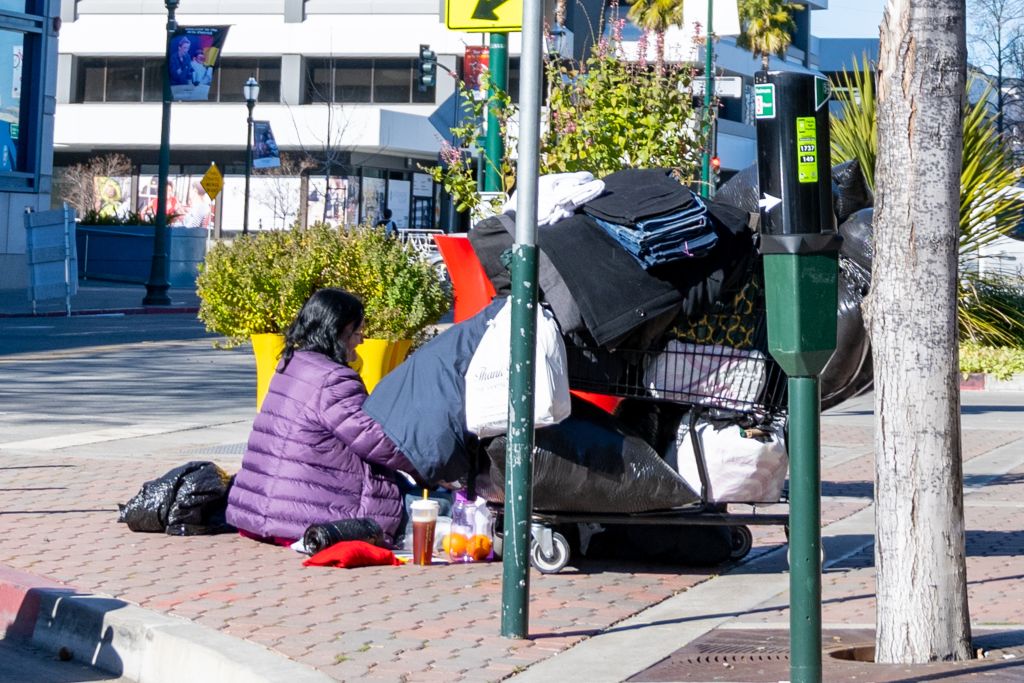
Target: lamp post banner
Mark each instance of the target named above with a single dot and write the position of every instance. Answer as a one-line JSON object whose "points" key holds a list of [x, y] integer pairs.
{"points": [[264, 147], [192, 54]]}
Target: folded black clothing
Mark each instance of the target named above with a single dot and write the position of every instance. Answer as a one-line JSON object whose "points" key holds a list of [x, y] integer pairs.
{"points": [[633, 194], [492, 237], [615, 296], [320, 536]]}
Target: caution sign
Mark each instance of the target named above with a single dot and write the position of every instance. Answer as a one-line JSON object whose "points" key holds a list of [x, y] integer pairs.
{"points": [[213, 181], [484, 16]]}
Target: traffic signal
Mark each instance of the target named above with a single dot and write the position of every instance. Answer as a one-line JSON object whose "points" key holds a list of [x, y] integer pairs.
{"points": [[716, 169], [427, 66]]}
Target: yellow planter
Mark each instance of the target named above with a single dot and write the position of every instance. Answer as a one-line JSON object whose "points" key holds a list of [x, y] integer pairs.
{"points": [[374, 359], [267, 348], [377, 357]]}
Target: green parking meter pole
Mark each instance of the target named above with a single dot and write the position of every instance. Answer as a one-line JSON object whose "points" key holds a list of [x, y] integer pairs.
{"points": [[498, 68], [801, 272], [515, 575], [709, 89]]}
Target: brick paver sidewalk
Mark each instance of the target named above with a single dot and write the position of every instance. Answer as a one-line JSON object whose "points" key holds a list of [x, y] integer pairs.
{"points": [[378, 623]]}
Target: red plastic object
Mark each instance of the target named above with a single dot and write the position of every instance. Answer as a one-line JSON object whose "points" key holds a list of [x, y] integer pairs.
{"points": [[605, 402], [473, 291]]}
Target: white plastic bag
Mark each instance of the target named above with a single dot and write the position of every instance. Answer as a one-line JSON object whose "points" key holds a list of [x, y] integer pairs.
{"points": [[740, 469], [487, 376]]}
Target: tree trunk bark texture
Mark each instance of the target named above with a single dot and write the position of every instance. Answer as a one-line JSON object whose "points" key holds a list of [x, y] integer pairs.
{"points": [[922, 612]]}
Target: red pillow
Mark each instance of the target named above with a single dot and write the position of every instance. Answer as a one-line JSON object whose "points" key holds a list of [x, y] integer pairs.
{"points": [[350, 554]]}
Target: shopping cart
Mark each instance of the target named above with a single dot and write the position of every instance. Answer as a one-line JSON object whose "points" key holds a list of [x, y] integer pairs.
{"points": [[716, 364]]}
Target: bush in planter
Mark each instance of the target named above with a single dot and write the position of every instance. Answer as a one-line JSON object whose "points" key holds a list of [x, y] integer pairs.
{"points": [[258, 283]]}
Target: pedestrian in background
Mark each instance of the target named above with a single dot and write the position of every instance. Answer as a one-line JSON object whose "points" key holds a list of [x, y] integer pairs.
{"points": [[390, 227]]}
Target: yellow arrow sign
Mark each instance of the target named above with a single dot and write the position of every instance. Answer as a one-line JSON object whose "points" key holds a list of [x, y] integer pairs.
{"points": [[484, 16], [213, 181]]}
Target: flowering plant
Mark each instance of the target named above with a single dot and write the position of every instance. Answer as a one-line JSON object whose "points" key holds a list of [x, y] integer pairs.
{"points": [[603, 114]]}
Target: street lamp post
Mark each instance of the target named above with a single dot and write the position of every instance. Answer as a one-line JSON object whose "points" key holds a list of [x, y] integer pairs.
{"points": [[251, 90], [157, 284]]}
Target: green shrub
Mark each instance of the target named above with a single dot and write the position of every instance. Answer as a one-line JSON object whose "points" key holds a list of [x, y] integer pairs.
{"points": [[258, 283], [1000, 362]]}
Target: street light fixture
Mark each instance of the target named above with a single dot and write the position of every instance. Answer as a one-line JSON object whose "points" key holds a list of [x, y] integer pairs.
{"points": [[251, 90]]}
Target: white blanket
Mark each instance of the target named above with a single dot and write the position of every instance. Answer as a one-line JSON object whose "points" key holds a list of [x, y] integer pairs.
{"points": [[706, 374], [560, 194]]}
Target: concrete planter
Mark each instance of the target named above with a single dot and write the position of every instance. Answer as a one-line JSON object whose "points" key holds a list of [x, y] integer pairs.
{"points": [[123, 253], [977, 381]]}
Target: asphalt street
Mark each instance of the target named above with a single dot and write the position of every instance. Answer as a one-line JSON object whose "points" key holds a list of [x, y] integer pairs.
{"points": [[22, 664], [28, 335]]}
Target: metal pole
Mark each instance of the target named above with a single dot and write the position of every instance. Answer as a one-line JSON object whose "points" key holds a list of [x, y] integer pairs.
{"points": [[515, 576], [250, 104], [709, 89], [157, 285], [804, 530], [498, 67]]}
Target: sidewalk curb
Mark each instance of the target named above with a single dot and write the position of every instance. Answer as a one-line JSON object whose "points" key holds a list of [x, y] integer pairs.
{"points": [[138, 310], [127, 640]]}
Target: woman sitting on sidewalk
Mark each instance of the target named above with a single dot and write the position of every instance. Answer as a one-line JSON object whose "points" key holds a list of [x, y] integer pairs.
{"points": [[313, 455]]}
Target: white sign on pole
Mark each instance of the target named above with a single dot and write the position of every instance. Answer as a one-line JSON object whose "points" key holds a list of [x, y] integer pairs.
{"points": [[52, 256], [725, 86]]}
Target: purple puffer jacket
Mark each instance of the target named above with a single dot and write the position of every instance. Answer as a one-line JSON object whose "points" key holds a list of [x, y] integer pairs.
{"points": [[314, 456]]}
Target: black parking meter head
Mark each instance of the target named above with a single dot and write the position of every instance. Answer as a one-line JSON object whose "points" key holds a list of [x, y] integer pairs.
{"points": [[794, 160], [798, 228]]}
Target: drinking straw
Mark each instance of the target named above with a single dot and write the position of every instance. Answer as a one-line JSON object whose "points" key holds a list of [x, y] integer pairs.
{"points": [[426, 494]]}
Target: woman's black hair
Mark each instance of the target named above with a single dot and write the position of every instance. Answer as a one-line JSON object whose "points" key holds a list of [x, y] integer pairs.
{"points": [[319, 325]]}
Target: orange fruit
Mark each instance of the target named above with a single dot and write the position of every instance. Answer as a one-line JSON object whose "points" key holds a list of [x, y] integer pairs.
{"points": [[455, 544], [479, 547]]}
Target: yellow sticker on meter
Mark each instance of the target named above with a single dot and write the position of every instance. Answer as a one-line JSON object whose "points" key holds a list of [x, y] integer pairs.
{"points": [[807, 149]]}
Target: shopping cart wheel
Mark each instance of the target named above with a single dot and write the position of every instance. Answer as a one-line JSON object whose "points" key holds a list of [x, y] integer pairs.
{"points": [[742, 542], [549, 561]]}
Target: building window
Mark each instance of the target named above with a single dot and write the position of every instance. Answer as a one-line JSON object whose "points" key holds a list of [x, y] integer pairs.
{"points": [[138, 79], [364, 81], [234, 72], [25, 36]]}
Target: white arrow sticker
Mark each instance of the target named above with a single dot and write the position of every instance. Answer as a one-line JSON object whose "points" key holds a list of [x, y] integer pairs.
{"points": [[768, 202]]}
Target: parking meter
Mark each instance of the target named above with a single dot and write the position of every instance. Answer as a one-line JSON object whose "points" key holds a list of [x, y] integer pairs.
{"points": [[800, 251]]}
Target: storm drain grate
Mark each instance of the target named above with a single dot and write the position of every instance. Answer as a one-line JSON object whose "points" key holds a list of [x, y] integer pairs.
{"points": [[736, 658], [222, 449]]}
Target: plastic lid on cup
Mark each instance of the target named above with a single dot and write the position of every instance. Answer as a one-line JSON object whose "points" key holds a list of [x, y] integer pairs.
{"points": [[425, 510]]}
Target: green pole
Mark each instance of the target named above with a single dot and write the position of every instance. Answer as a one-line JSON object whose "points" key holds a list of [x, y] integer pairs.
{"points": [[157, 284], [498, 67], [709, 88], [804, 530], [515, 571], [515, 574]]}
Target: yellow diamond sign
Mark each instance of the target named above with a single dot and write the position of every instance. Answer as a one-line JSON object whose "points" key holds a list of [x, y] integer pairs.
{"points": [[213, 181], [484, 16]]}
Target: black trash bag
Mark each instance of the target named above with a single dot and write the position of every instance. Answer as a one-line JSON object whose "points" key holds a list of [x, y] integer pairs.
{"points": [[695, 546], [656, 422], [320, 536], [740, 191], [187, 501], [843, 377], [589, 463], [850, 191], [857, 245]]}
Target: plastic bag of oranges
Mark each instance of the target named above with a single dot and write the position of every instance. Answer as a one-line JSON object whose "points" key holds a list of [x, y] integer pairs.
{"points": [[472, 531]]}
